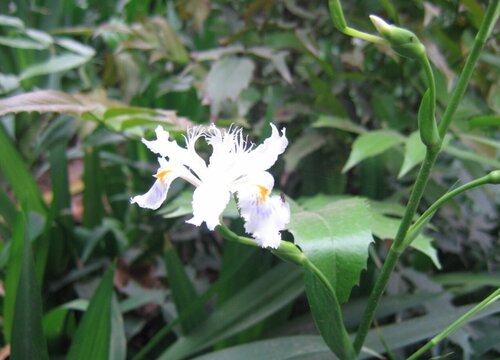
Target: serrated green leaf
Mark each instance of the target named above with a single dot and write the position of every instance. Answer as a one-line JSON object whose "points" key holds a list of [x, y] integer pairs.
{"points": [[92, 338], [338, 123], [335, 238], [385, 227], [370, 144], [414, 153], [28, 341]]}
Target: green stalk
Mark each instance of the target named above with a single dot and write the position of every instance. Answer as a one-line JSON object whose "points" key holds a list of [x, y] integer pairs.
{"points": [[432, 152], [491, 178], [364, 36], [338, 20], [396, 249], [456, 324]]}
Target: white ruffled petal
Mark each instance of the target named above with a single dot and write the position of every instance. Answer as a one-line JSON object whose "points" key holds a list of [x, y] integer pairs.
{"points": [[265, 220], [209, 201], [177, 155], [265, 216], [154, 197], [265, 155]]}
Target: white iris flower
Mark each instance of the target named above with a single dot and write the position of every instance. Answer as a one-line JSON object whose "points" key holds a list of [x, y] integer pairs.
{"points": [[235, 167]]}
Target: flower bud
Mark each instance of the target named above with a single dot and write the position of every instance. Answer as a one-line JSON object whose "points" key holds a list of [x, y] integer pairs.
{"points": [[403, 41], [494, 177]]}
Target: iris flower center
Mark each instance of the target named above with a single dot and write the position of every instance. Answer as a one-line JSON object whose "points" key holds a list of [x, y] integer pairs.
{"points": [[263, 192], [162, 173]]}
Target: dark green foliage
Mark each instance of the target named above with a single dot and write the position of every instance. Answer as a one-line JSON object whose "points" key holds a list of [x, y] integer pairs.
{"points": [[82, 82]]}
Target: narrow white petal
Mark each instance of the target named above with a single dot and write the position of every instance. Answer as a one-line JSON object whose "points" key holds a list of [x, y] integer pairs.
{"points": [[209, 201], [154, 197], [265, 155]]}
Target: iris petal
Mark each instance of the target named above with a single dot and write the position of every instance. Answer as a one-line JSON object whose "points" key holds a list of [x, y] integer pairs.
{"points": [[209, 201], [154, 197], [265, 220]]}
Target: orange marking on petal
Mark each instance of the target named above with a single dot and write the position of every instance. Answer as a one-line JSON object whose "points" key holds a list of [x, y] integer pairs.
{"points": [[161, 174], [263, 192]]}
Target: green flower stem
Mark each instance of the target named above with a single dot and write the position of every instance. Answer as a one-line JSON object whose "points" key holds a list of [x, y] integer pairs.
{"points": [[286, 251], [396, 249], [338, 20], [289, 252], [456, 324], [231, 236], [416, 228], [364, 36], [399, 245], [489, 20]]}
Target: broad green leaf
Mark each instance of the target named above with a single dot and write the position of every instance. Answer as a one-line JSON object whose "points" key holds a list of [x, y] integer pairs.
{"points": [[257, 301], [48, 101], [141, 297], [468, 279], [490, 142], [385, 227], [40, 36], [11, 21], [394, 336], [21, 43], [328, 321], [371, 144], [54, 64], [282, 348], [93, 336], [484, 121], [28, 341], [94, 106], [414, 153], [76, 47], [8, 83], [18, 176], [198, 304], [226, 80], [335, 238], [183, 291], [303, 146], [166, 40], [118, 341], [338, 123], [468, 155]]}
